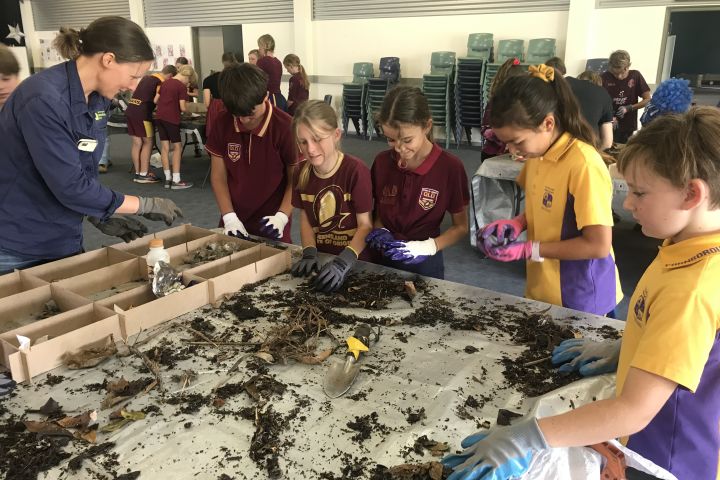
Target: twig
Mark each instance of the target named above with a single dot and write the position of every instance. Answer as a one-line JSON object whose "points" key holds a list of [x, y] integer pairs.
{"points": [[535, 362], [152, 366], [199, 334], [223, 344]]}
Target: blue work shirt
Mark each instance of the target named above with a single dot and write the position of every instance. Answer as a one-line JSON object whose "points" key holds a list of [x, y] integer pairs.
{"points": [[47, 183]]}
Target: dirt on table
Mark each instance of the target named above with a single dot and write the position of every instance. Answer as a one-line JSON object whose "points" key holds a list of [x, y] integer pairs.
{"points": [[365, 425], [374, 291], [24, 455]]}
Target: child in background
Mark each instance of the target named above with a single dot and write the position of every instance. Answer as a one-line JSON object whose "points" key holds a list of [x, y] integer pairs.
{"points": [[334, 195], [253, 157], [568, 195], [625, 87], [299, 83], [170, 100], [139, 115], [9, 73], [414, 184], [192, 87], [253, 56], [273, 68], [667, 404], [211, 94], [492, 146]]}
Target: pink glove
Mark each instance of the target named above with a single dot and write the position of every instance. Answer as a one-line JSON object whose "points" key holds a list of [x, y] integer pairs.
{"points": [[511, 252], [501, 232]]}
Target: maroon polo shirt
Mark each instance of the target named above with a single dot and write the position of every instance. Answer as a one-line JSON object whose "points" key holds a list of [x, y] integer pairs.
{"points": [[141, 104], [332, 202], [625, 92], [256, 162], [273, 68], [168, 107], [412, 204], [297, 93]]}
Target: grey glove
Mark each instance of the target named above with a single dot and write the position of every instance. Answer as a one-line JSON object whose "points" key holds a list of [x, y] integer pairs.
{"points": [[587, 357], [332, 275], [7, 384], [307, 264], [125, 227], [157, 208]]}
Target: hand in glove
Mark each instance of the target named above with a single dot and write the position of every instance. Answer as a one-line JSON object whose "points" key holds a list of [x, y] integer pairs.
{"points": [[501, 453], [624, 110], [273, 226], [307, 264], [233, 226], [501, 232], [511, 252], [587, 357], [7, 384], [332, 275], [412, 252], [379, 238], [125, 227], [156, 209]]}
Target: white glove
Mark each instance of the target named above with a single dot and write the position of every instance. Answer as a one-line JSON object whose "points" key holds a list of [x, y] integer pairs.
{"points": [[588, 357], [274, 225], [233, 226]]}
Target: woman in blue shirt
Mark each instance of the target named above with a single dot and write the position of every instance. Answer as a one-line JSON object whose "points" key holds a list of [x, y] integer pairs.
{"points": [[53, 131]]}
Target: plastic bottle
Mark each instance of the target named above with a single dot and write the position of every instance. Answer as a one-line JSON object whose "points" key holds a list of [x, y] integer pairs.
{"points": [[156, 254]]}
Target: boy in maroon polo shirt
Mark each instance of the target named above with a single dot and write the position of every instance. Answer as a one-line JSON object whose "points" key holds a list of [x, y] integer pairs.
{"points": [[253, 157], [140, 123], [335, 195], [625, 87], [414, 184], [170, 100]]}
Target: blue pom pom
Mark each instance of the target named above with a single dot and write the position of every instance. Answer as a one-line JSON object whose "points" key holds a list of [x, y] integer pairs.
{"points": [[673, 96]]}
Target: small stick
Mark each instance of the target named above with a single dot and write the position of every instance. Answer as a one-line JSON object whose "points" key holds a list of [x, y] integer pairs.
{"points": [[222, 344], [535, 362], [199, 334], [152, 366]]}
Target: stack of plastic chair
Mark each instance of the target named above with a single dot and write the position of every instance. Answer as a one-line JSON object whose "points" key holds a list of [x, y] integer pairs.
{"points": [[438, 88], [540, 50], [469, 84], [354, 98], [377, 88], [598, 65], [510, 49]]}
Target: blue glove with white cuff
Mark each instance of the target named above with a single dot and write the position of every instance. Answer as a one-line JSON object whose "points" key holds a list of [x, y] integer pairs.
{"points": [[273, 226], [587, 357], [498, 454], [412, 252]]}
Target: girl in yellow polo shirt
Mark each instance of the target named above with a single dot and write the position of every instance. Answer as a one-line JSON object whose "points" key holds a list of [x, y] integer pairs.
{"points": [[568, 194]]}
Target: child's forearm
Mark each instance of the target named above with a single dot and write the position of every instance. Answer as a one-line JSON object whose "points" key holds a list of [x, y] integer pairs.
{"points": [[455, 232], [595, 242]]}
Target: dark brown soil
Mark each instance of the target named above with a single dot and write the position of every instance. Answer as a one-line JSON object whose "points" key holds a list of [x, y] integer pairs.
{"points": [[414, 416], [265, 444], [24, 455], [505, 417], [202, 325], [365, 425], [424, 471], [242, 306], [53, 380], [189, 402], [433, 310], [105, 449], [373, 291]]}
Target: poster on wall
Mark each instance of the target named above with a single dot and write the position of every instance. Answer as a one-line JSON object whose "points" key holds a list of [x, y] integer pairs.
{"points": [[49, 55], [11, 27], [167, 54]]}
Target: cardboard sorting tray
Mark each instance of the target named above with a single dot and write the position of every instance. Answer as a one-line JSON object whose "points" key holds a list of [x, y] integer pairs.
{"points": [[171, 237], [178, 253], [28, 307], [17, 282], [79, 264], [229, 274], [139, 309], [52, 338], [108, 281]]}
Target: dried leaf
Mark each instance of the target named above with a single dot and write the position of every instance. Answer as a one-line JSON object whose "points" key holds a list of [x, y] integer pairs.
{"points": [[78, 421], [89, 357], [46, 428], [218, 402], [317, 359], [410, 289], [87, 435], [130, 415], [117, 386], [50, 408], [111, 400], [265, 356], [115, 426], [439, 449]]}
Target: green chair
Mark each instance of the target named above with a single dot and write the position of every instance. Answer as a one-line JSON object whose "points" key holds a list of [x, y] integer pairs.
{"points": [[438, 88], [540, 50], [480, 45], [510, 49], [362, 71], [354, 98], [442, 63]]}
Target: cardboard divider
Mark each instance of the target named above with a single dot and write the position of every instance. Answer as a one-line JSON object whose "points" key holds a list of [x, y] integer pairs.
{"points": [[79, 264], [139, 309], [229, 274], [100, 283], [55, 336], [178, 253], [171, 237], [25, 308], [17, 282]]}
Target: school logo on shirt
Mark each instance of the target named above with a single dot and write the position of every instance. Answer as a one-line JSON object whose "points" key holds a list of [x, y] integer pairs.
{"points": [[428, 198], [100, 114], [547, 198], [326, 207], [639, 307], [234, 151]]}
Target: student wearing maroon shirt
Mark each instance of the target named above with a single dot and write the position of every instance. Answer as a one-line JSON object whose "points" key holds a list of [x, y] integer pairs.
{"points": [[625, 87], [334, 195], [140, 125], [211, 94], [272, 66], [414, 184], [170, 100], [299, 83], [253, 157]]}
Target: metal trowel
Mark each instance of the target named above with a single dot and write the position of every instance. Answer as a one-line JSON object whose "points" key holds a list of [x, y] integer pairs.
{"points": [[342, 374]]}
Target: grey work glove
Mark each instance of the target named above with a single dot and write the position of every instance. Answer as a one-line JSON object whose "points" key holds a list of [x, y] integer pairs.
{"points": [[332, 275], [157, 208], [7, 384], [307, 264], [125, 227]]}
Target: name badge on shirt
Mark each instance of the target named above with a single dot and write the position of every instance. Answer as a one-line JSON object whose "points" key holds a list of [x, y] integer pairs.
{"points": [[87, 144]]}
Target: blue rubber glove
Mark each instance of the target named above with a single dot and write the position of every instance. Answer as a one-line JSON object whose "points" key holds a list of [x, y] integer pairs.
{"points": [[332, 275], [499, 454], [412, 252], [587, 357], [273, 226], [379, 238]]}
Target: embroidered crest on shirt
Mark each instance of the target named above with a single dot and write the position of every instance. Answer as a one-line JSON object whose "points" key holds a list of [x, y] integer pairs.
{"points": [[326, 207], [100, 114], [639, 307], [428, 198], [234, 151], [547, 199]]}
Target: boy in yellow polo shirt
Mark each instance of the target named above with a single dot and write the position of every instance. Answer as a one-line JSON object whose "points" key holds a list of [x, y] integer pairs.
{"points": [[668, 376]]}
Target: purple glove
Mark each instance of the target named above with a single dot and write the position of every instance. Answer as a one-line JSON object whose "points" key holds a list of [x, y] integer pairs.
{"points": [[273, 226], [500, 232], [379, 238], [511, 252], [412, 252]]}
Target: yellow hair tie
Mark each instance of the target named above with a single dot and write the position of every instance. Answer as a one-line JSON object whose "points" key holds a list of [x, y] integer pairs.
{"points": [[543, 72]]}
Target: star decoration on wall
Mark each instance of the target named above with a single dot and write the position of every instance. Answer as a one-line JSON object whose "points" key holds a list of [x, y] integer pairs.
{"points": [[15, 34]]}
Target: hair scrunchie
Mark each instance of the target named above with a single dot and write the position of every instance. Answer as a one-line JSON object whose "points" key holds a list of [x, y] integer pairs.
{"points": [[543, 72]]}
